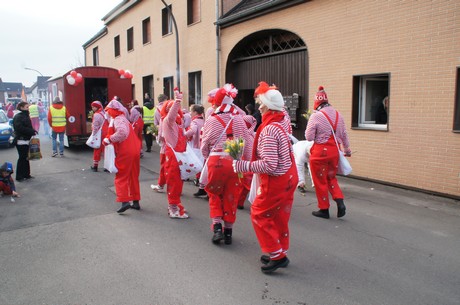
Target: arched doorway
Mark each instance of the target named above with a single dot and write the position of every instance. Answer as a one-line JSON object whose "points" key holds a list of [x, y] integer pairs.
{"points": [[278, 57]]}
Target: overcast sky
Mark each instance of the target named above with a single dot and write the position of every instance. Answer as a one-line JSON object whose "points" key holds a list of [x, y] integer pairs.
{"points": [[47, 35]]}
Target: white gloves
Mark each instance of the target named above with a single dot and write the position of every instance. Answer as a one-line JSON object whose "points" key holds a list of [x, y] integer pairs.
{"points": [[234, 166], [106, 141]]}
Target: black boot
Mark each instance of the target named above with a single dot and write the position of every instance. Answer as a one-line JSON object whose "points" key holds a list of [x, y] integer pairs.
{"points": [[275, 264], [340, 208], [265, 259], [323, 213], [94, 168], [201, 192], [124, 207], [135, 205], [218, 236], [227, 236]]}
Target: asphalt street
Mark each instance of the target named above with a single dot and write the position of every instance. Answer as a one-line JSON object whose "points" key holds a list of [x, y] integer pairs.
{"points": [[62, 242]]}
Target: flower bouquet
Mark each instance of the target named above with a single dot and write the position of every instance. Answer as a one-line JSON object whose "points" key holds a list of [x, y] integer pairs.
{"points": [[152, 129], [307, 114], [234, 148]]}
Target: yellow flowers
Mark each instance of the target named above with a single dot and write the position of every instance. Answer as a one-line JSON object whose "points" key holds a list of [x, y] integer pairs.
{"points": [[235, 149], [307, 114], [151, 129]]}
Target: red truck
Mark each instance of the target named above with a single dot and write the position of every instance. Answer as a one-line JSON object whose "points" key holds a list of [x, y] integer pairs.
{"points": [[79, 88]]}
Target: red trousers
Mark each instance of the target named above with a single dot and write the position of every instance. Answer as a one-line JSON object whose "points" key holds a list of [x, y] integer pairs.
{"points": [[5, 189], [162, 177], [223, 188], [324, 159], [97, 155], [271, 210], [128, 164], [171, 176]]}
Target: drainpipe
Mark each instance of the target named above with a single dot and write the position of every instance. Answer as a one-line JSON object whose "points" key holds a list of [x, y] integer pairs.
{"points": [[217, 46], [177, 44]]}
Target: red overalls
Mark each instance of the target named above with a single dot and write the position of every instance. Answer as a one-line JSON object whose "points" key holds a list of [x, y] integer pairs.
{"points": [[171, 169], [223, 186], [324, 159]]}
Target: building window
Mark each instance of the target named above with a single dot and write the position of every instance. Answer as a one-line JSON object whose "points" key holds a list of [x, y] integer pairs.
{"points": [[194, 88], [166, 21], [193, 11], [147, 85], [116, 45], [168, 83], [146, 33], [96, 56], [371, 101], [457, 103], [130, 36]]}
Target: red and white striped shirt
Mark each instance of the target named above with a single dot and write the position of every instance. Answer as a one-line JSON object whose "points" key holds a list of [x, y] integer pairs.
{"points": [[273, 153], [193, 133], [319, 129], [213, 129], [169, 130], [122, 127]]}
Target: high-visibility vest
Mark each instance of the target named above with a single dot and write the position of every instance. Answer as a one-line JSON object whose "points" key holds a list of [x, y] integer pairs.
{"points": [[149, 115], [58, 116], [33, 111]]}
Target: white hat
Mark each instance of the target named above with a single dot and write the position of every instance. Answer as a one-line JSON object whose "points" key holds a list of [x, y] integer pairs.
{"points": [[272, 99]]}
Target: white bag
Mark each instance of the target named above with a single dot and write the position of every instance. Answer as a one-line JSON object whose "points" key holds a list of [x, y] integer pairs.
{"points": [[204, 174], [189, 163], [94, 141], [109, 159], [255, 184], [344, 167]]}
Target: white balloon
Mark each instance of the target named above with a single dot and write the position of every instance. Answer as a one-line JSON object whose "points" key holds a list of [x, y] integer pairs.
{"points": [[122, 76], [71, 81], [68, 76], [79, 75]]}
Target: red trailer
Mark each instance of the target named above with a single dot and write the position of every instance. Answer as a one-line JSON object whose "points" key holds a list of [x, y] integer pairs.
{"points": [[97, 83]]}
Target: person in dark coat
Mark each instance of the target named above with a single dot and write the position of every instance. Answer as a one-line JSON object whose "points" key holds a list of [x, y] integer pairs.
{"points": [[255, 113], [23, 132], [382, 112]]}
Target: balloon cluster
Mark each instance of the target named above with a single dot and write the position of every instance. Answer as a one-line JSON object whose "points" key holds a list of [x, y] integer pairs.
{"points": [[74, 78], [125, 73]]}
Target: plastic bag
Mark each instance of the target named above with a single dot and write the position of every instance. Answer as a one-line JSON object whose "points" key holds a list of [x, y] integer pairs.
{"points": [[34, 149], [94, 141], [255, 184], [189, 163], [109, 159], [344, 167]]}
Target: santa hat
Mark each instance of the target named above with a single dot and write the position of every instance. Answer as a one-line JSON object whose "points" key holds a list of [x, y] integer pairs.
{"points": [[167, 106], [270, 96], [212, 95], [225, 95], [320, 97]]}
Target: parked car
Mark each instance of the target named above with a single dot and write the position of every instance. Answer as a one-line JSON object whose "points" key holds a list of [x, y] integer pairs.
{"points": [[6, 131]]}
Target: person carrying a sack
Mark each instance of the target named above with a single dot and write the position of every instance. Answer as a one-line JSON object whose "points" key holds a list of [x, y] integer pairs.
{"points": [[127, 162], [324, 156], [273, 163], [57, 119], [223, 185], [23, 131], [99, 123], [172, 132]]}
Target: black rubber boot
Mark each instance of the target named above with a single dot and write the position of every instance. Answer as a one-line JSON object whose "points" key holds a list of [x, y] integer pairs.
{"points": [[227, 236], [94, 168], [321, 213], [265, 259], [340, 208], [135, 205], [124, 206], [201, 192], [275, 264], [218, 236]]}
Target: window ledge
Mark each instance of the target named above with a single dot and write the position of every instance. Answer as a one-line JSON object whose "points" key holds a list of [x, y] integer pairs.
{"points": [[374, 128]]}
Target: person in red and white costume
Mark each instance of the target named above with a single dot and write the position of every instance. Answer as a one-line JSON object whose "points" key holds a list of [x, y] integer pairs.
{"points": [[135, 117], [193, 132], [159, 187], [172, 130], [223, 186], [126, 144], [273, 160], [324, 156], [99, 123]]}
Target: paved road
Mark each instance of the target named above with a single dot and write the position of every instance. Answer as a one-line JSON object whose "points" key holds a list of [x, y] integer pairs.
{"points": [[63, 243]]}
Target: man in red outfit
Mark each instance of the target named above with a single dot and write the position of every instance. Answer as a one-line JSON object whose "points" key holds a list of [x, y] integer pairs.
{"points": [[126, 144]]}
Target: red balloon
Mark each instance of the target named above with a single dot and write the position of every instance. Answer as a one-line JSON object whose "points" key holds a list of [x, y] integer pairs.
{"points": [[73, 73], [121, 71], [126, 75], [78, 79]]}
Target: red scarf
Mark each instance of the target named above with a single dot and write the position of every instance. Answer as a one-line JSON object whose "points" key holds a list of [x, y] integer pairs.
{"points": [[268, 117]]}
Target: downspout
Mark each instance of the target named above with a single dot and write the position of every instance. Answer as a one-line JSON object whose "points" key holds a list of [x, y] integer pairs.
{"points": [[217, 46]]}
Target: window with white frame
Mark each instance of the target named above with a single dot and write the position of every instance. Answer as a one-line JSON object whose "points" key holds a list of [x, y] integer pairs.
{"points": [[194, 88], [371, 101], [166, 21]]}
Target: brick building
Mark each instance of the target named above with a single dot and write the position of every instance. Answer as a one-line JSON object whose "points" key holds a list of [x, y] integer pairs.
{"points": [[360, 51]]}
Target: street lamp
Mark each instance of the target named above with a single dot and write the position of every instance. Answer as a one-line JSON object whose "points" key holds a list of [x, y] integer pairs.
{"points": [[177, 43], [34, 70]]}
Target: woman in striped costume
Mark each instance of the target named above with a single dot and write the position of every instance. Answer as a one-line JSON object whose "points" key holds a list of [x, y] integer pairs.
{"points": [[324, 156], [99, 122], [223, 185], [273, 160]]}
